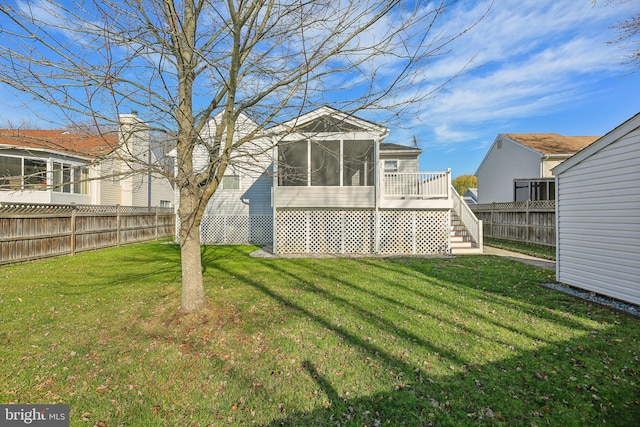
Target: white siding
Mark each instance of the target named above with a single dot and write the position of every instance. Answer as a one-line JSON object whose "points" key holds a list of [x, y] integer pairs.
{"points": [[599, 220], [549, 164], [405, 164], [324, 197], [246, 214], [504, 162]]}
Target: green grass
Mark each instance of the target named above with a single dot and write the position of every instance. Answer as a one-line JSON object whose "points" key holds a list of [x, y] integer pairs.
{"points": [[540, 251], [366, 341]]}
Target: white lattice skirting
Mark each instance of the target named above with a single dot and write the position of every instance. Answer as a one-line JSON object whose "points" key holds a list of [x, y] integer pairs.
{"points": [[235, 230], [328, 231]]}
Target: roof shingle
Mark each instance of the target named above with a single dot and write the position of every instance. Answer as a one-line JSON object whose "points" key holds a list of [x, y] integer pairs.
{"points": [[552, 143], [83, 145]]}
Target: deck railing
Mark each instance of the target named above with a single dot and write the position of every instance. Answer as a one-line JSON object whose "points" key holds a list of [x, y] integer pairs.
{"points": [[420, 185]]}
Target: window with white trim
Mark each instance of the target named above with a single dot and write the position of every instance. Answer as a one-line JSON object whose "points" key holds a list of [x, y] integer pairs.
{"points": [[390, 166]]}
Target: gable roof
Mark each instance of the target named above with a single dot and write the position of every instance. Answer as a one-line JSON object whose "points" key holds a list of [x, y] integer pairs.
{"points": [[620, 131], [60, 141], [551, 143], [399, 149], [328, 119]]}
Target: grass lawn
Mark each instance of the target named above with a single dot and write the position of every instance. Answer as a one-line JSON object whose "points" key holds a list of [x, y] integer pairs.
{"points": [[363, 341]]}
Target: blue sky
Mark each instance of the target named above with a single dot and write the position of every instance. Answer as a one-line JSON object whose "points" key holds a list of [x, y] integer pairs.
{"points": [[537, 66], [541, 66]]}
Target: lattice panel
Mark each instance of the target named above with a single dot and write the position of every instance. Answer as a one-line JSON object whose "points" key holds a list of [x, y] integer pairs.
{"points": [[325, 232], [236, 230], [432, 232], [212, 230], [396, 230], [261, 229], [353, 231], [414, 232], [359, 228], [291, 231]]}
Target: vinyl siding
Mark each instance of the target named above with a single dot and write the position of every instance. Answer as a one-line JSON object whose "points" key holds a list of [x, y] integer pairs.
{"points": [[501, 166], [599, 221], [325, 197]]}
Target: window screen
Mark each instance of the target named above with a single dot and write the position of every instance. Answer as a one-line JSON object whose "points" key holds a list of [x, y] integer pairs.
{"points": [[357, 163], [293, 164], [325, 163]]}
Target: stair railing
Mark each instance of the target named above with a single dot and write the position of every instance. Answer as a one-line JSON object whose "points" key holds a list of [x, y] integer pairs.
{"points": [[468, 218]]}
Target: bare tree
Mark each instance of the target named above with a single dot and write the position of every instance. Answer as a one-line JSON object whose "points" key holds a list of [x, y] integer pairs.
{"points": [[628, 36], [179, 63]]}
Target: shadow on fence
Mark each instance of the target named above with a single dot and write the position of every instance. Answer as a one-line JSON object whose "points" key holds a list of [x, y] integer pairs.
{"points": [[29, 231], [528, 222]]}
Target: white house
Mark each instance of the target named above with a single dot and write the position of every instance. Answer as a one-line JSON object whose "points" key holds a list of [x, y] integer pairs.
{"points": [[517, 167], [335, 187], [598, 215], [59, 167]]}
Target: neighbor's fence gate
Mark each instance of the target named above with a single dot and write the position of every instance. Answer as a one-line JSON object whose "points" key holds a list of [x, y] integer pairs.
{"points": [[529, 222], [30, 231]]}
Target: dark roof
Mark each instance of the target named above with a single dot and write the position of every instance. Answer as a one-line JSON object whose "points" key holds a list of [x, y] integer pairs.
{"points": [[389, 146], [82, 145]]}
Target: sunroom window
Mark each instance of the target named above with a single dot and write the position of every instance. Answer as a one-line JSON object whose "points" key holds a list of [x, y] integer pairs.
{"points": [[534, 190], [328, 163]]}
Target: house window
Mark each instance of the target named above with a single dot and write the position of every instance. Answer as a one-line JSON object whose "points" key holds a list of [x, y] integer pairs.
{"points": [[165, 203], [534, 190], [35, 174], [10, 173], [17, 173], [230, 182], [70, 179], [81, 180], [390, 166]]}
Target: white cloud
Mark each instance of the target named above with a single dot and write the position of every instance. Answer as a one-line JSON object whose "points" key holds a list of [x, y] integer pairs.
{"points": [[531, 56]]}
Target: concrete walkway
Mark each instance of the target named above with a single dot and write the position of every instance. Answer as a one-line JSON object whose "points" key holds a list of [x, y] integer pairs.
{"points": [[538, 262]]}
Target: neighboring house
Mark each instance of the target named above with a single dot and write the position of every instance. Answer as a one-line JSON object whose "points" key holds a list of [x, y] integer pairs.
{"points": [[517, 167], [471, 196], [59, 167], [598, 215], [335, 188]]}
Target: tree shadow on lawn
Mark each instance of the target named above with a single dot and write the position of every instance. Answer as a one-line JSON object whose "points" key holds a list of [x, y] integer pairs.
{"points": [[560, 381]]}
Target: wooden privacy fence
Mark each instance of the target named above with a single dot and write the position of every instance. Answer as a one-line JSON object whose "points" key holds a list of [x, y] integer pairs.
{"points": [[529, 222], [29, 232]]}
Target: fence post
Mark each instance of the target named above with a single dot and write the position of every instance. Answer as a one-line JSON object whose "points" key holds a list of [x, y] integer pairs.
{"points": [[156, 223], [117, 225], [73, 231], [493, 205], [527, 222]]}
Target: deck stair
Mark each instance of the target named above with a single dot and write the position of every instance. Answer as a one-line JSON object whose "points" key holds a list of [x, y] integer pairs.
{"points": [[461, 241]]}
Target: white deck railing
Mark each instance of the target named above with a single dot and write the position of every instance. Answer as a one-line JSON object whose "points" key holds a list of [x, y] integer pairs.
{"points": [[420, 185]]}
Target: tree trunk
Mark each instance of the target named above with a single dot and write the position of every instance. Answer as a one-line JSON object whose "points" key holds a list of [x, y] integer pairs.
{"points": [[193, 298]]}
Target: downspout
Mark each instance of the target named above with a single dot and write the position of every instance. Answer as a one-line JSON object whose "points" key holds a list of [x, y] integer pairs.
{"points": [[273, 197], [377, 189], [377, 182]]}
